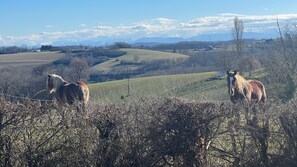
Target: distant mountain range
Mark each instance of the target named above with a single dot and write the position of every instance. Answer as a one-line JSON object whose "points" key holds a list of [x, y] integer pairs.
{"points": [[152, 41]]}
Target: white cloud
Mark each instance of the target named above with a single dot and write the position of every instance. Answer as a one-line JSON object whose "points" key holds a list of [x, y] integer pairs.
{"points": [[161, 21], [49, 26], [163, 27]]}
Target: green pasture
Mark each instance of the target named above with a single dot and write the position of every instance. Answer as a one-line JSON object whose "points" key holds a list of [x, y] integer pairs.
{"points": [[197, 86], [28, 59], [136, 56]]}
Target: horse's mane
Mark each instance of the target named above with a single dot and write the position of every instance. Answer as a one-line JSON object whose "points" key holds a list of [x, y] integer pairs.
{"points": [[57, 80], [242, 84]]}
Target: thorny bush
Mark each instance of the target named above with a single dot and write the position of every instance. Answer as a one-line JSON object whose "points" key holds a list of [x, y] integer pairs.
{"points": [[148, 132]]}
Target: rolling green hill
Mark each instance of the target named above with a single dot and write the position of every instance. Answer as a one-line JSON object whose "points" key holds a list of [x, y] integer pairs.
{"points": [[28, 59], [135, 57], [198, 86]]}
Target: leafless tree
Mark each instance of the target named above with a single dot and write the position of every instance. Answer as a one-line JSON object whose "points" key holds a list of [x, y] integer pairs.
{"points": [[78, 69], [237, 33], [281, 62]]}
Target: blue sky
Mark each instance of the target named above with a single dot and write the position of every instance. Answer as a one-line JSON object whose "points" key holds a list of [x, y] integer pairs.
{"points": [[34, 22]]}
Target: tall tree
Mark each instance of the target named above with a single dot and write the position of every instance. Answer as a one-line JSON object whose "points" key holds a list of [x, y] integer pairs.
{"points": [[237, 33]]}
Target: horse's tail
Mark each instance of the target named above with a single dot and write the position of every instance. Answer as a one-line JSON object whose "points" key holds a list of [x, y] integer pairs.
{"points": [[86, 94], [83, 96], [264, 96]]}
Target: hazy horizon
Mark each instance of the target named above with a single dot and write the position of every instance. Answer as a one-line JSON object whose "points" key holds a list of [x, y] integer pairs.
{"points": [[35, 22]]}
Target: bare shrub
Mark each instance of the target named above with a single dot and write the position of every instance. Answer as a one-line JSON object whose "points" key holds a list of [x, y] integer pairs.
{"points": [[281, 63], [148, 132], [288, 121]]}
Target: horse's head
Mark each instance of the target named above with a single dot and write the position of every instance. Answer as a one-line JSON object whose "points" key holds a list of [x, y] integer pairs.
{"points": [[50, 83], [53, 81], [232, 83]]}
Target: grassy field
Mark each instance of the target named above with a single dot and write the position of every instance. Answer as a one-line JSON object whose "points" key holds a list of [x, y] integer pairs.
{"points": [[198, 86], [28, 59], [135, 56]]}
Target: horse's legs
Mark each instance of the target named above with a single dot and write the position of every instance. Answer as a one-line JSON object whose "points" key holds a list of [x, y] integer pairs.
{"points": [[258, 98], [248, 97], [263, 98]]}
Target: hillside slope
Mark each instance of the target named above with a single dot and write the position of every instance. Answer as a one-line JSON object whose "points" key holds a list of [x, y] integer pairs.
{"points": [[198, 86], [135, 58], [28, 59]]}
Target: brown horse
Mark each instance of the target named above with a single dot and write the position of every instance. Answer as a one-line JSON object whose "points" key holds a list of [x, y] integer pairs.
{"points": [[66, 92], [241, 89]]}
